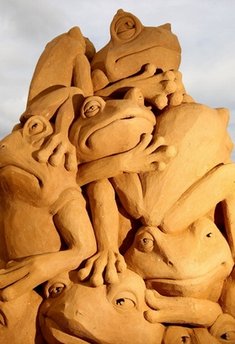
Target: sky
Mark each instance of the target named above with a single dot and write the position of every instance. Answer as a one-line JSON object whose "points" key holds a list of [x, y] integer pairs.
{"points": [[205, 29]]}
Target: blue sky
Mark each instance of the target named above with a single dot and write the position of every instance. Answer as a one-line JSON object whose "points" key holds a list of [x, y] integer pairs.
{"points": [[205, 29]]}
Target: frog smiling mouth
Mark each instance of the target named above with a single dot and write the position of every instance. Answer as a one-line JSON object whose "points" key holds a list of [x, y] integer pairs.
{"points": [[63, 336], [209, 277], [145, 117]]}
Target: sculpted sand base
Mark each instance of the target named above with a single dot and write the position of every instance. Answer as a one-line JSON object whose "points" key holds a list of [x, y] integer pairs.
{"points": [[117, 198]]}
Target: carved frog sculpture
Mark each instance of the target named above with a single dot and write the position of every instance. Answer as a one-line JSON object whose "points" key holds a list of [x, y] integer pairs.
{"points": [[44, 226], [100, 134], [67, 316], [192, 263], [131, 47]]}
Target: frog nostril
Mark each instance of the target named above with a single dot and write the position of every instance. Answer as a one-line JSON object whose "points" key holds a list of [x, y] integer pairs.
{"points": [[2, 146], [170, 263]]}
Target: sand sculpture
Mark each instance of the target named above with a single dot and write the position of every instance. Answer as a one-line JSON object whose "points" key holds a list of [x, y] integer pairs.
{"points": [[117, 199]]}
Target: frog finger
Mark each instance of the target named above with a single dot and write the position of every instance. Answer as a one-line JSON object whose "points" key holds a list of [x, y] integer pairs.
{"points": [[85, 272], [13, 276], [24, 284], [58, 155], [110, 270], [157, 142], [144, 142], [120, 263], [71, 160], [98, 269], [44, 154]]}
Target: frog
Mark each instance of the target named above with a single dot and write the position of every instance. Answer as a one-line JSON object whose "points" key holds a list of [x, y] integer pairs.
{"points": [[75, 312], [67, 311], [131, 47], [191, 263], [64, 62], [105, 131], [40, 236]]}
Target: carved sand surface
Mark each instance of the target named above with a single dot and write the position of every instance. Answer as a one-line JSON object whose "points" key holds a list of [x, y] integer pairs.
{"points": [[117, 199]]}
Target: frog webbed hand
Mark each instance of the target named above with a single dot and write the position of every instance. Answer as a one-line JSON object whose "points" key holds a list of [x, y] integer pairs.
{"points": [[58, 148], [103, 267], [149, 155], [181, 310], [173, 91]]}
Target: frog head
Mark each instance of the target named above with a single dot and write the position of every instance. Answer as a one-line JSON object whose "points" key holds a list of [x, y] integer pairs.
{"points": [[78, 313], [109, 127], [193, 263], [133, 45], [20, 169]]}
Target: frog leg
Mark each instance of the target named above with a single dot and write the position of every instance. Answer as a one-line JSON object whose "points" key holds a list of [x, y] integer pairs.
{"points": [[73, 224], [181, 310], [201, 197], [105, 264]]}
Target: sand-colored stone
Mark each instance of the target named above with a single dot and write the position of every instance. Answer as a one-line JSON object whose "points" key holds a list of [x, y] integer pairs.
{"points": [[117, 198]]}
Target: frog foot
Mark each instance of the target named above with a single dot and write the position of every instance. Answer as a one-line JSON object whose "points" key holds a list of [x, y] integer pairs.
{"points": [[58, 149], [103, 267]]}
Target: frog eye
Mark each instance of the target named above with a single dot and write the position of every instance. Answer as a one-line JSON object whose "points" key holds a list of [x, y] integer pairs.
{"points": [[209, 235], [125, 26], [145, 242], [92, 106], [228, 337], [185, 340], [55, 289], [124, 301]]}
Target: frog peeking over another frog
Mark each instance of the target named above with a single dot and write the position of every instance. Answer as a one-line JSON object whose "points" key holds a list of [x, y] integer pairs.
{"points": [[108, 136], [132, 46]]}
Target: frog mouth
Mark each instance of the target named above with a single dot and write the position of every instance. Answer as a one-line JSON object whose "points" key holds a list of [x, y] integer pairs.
{"points": [[63, 336], [23, 171], [208, 278], [109, 123]]}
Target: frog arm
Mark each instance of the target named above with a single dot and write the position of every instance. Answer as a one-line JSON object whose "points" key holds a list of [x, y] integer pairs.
{"points": [[217, 185], [150, 154], [74, 226], [181, 310], [105, 264]]}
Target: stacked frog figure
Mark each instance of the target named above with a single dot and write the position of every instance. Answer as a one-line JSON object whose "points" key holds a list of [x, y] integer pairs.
{"points": [[117, 199]]}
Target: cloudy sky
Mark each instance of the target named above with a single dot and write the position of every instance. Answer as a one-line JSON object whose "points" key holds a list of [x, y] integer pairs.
{"points": [[205, 28]]}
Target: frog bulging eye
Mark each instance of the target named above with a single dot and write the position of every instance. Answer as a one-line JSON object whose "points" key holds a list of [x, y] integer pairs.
{"points": [[228, 337], [185, 340], [92, 106], [125, 26], [124, 303], [55, 289], [145, 242]]}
